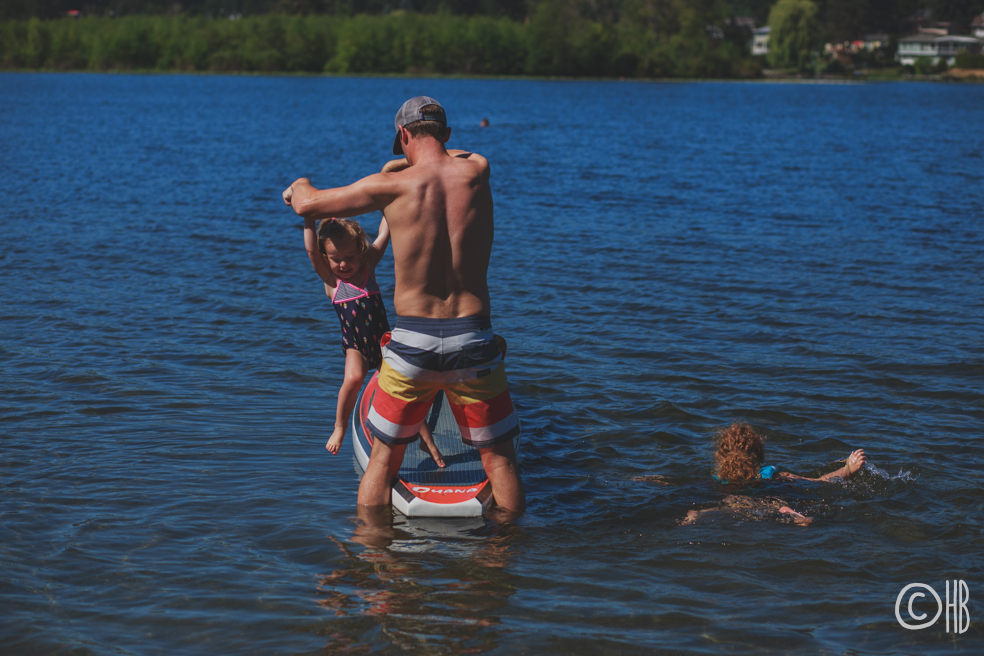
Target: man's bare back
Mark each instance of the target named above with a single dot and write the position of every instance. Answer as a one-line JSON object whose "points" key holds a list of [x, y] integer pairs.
{"points": [[439, 208], [444, 221]]}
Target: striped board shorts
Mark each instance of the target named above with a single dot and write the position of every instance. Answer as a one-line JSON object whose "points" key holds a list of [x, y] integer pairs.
{"points": [[462, 358]]}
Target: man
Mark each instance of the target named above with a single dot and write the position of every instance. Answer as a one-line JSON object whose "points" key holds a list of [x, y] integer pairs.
{"points": [[438, 204]]}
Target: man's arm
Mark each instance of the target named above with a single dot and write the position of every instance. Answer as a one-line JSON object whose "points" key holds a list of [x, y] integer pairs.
{"points": [[371, 193]]}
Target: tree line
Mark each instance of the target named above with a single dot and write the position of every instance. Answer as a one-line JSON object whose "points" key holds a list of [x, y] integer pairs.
{"points": [[839, 19], [601, 38]]}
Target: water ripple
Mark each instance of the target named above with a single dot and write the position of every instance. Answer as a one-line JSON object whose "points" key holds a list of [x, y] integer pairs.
{"points": [[700, 253]]}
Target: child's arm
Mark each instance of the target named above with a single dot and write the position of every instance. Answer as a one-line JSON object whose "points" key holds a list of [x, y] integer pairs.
{"points": [[395, 165], [854, 462], [693, 515], [651, 478], [314, 254], [378, 247]]}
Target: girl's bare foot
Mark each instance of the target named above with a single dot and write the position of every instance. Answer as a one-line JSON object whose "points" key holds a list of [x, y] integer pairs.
{"points": [[691, 517], [801, 520], [335, 441], [428, 446]]}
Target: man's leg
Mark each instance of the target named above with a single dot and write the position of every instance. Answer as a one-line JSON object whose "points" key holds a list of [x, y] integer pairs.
{"points": [[374, 528], [377, 482], [503, 472]]}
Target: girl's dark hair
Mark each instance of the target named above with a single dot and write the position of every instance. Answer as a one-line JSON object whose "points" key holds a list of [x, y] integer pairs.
{"points": [[740, 453], [342, 229]]}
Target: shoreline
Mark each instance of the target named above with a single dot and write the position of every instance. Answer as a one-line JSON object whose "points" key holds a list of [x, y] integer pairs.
{"points": [[961, 76]]}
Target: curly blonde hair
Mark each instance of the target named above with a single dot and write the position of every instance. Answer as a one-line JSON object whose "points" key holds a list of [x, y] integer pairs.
{"points": [[336, 229], [740, 453]]}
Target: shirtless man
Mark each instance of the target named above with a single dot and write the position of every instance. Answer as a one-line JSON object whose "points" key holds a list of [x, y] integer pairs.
{"points": [[438, 204]]}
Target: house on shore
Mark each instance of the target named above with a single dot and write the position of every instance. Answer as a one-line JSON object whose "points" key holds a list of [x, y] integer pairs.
{"points": [[977, 27], [935, 47], [760, 40]]}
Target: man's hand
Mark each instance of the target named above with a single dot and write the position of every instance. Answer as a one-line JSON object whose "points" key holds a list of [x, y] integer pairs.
{"points": [[289, 191]]}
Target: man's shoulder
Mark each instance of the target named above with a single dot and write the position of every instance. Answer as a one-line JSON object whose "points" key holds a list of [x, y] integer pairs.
{"points": [[469, 156], [478, 164]]}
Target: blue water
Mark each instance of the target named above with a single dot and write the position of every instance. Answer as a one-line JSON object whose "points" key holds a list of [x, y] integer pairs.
{"points": [[668, 258]]}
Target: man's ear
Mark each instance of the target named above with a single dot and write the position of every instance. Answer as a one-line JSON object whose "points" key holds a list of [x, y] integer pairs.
{"points": [[404, 138]]}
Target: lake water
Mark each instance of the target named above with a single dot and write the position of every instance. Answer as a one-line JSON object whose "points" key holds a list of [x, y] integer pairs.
{"points": [[669, 257]]}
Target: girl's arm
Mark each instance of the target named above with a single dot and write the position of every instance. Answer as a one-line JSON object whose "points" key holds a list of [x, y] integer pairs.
{"points": [[395, 165], [651, 478], [854, 462], [693, 515], [375, 253], [314, 254]]}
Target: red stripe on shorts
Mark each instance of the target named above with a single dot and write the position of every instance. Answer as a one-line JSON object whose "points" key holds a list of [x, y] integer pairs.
{"points": [[484, 413], [397, 411]]}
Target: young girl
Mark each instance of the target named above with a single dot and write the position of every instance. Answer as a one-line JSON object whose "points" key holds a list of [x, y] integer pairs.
{"points": [[345, 261], [741, 452], [740, 459]]}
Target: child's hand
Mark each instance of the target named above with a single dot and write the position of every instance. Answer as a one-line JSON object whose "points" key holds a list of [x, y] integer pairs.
{"points": [[335, 441], [855, 461], [289, 191], [801, 520], [395, 165], [691, 517]]}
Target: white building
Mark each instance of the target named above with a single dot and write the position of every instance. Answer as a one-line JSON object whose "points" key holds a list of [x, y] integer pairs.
{"points": [[977, 27], [760, 41], [934, 47]]}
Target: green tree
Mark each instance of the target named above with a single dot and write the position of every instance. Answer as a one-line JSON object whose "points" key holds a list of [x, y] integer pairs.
{"points": [[38, 38], [969, 60], [794, 33]]}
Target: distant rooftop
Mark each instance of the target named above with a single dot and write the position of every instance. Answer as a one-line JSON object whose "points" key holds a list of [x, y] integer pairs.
{"points": [[927, 37]]}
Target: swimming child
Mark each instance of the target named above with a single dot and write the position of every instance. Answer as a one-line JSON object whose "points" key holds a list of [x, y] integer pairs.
{"points": [[741, 452], [345, 261], [740, 459]]}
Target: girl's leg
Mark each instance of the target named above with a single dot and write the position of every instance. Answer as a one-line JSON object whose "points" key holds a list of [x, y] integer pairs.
{"points": [[801, 520], [356, 369], [427, 444]]}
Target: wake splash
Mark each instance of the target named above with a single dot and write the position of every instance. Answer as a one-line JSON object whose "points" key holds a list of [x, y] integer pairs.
{"points": [[903, 476]]}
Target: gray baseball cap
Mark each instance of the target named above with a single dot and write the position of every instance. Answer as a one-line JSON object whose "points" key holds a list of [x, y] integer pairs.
{"points": [[410, 113]]}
